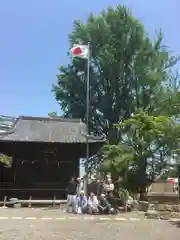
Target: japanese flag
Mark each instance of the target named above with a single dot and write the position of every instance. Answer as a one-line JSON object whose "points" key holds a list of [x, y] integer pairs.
{"points": [[80, 51], [172, 181]]}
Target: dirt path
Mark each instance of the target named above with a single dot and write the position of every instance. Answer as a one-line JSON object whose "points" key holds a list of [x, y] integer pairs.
{"points": [[35, 224]]}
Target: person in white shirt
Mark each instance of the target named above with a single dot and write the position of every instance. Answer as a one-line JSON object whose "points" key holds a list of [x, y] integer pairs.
{"points": [[92, 204], [79, 185], [109, 186]]}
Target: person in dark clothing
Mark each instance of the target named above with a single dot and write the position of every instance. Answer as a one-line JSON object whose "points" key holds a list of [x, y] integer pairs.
{"points": [[71, 195], [100, 189], [96, 187], [112, 201]]}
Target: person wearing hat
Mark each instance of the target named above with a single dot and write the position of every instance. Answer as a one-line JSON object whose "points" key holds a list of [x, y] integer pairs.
{"points": [[92, 204], [104, 205], [81, 202], [79, 185]]}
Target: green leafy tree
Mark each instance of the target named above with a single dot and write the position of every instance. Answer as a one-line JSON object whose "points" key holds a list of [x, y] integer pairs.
{"points": [[145, 151], [5, 160], [128, 72], [52, 114], [117, 159]]}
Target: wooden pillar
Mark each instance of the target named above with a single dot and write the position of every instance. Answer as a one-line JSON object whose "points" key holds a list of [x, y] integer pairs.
{"points": [[5, 200], [29, 205], [54, 201]]}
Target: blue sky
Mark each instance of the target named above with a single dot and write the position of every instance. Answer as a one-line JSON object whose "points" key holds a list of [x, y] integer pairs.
{"points": [[33, 44]]}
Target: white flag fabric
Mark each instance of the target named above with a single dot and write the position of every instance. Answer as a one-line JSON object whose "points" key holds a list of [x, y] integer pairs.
{"points": [[80, 51]]}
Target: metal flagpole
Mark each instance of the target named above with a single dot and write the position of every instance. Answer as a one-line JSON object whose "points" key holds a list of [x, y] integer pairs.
{"points": [[88, 93], [87, 116]]}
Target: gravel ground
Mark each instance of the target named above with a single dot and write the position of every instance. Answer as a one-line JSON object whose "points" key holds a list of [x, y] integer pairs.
{"points": [[80, 229]]}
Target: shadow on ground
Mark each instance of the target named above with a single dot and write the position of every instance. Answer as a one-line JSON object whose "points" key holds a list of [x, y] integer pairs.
{"points": [[177, 223]]}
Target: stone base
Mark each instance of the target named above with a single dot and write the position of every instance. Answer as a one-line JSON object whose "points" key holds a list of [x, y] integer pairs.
{"points": [[167, 207], [163, 197], [153, 214], [143, 206]]}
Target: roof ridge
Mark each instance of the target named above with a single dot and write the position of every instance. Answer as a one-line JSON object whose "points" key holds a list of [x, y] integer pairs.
{"points": [[56, 119]]}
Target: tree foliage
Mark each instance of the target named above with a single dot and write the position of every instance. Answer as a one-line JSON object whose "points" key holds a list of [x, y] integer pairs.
{"points": [[128, 72], [52, 114], [145, 151], [132, 84], [5, 160]]}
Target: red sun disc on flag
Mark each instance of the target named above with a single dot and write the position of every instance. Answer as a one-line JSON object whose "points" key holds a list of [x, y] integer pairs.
{"points": [[172, 181], [77, 51]]}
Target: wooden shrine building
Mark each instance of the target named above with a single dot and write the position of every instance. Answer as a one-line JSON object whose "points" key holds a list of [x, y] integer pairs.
{"points": [[45, 154]]}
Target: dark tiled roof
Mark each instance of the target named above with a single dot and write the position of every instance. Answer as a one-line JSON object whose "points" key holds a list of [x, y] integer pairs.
{"points": [[49, 129]]}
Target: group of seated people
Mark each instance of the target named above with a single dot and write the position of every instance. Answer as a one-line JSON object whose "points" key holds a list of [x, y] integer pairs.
{"points": [[93, 205], [78, 202]]}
